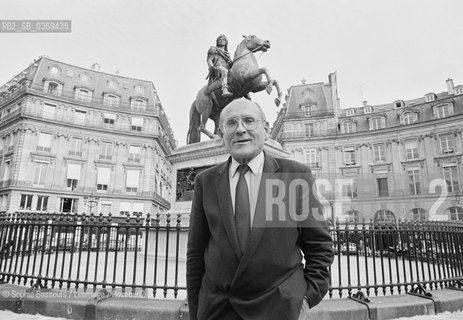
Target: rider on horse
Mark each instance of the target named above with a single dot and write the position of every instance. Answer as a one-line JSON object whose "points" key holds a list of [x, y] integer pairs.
{"points": [[219, 62]]}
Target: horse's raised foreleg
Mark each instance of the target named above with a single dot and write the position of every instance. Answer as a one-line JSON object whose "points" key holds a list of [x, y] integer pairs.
{"points": [[264, 85]]}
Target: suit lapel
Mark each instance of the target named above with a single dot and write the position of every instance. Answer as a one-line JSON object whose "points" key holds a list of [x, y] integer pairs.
{"points": [[222, 184], [259, 223]]}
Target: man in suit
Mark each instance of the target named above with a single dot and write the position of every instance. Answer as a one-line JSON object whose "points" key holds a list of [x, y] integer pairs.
{"points": [[245, 241]]}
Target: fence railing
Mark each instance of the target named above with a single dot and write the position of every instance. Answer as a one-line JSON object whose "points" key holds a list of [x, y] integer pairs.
{"points": [[147, 256]]}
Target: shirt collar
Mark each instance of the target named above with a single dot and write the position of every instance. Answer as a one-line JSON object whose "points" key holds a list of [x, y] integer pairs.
{"points": [[255, 164]]}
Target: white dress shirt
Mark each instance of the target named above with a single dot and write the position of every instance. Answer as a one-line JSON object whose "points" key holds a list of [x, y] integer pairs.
{"points": [[253, 177]]}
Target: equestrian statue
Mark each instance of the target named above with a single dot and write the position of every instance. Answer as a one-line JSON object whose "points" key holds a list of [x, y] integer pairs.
{"points": [[228, 80]]}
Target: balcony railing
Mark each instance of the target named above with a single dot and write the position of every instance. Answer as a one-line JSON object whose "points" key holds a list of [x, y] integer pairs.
{"points": [[147, 256]]}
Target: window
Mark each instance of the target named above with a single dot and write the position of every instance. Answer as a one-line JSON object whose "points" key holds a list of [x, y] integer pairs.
{"points": [[76, 147], [68, 205], [138, 209], [42, 203], [138, 104], [414, 181], [109, 120], [83, 95], [379, 151], [384, 215], [308, 110], [111, 100], [10, 142], [348, 127], [383, 190], [40, 172], [430, 97], [53, 88], [350, 112], [84, 78], [132, 180], [73, 175], [459, 90], [398, 104], [44, 143], [124, 208], [451, 178], [26, 202], [309, 129], [139, 89], [456, 214], [377, 123], [106, 152], [6, 173], [443, 111], [103, 179], [349, 189], [79, 116], [349, 156], [419, 214], [407, 118], [134, 153], [49, 110], [311, 158], [106, 207], [353, 216], [411, 149], [367, 109], [137, 124], [111, 84], [446, 143]]}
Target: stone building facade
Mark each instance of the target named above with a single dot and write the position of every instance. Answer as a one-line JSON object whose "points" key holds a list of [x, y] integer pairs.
{"points": [[394, 161], [78, 140]]}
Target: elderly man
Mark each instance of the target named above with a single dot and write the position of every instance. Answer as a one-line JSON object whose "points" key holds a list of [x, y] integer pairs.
{"points": [[219, 62], [244, 256]]}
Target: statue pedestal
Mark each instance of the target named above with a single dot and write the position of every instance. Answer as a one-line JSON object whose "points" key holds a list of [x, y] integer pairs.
{"points": [[189, 160]]}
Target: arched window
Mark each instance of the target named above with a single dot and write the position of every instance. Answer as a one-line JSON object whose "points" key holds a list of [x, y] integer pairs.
{"points": [[54, 70], [419, 214], [353, 216], [407, 118], [456, 213], [348, 126], [384, 216]]}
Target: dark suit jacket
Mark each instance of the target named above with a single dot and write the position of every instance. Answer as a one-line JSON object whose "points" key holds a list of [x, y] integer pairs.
{"points": [[269, 280]]}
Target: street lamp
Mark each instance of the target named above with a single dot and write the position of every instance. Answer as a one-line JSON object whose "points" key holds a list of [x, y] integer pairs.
{"points": [[92, 201]]}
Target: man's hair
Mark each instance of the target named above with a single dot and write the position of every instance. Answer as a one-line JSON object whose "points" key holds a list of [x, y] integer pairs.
{"points": [[226, 39], [262, 114]]}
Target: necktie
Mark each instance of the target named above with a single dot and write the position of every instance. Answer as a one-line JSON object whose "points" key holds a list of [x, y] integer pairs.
{"points": [[242, 208]]}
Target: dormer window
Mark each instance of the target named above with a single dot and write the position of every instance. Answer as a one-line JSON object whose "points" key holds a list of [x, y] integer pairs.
{"points": [[53, 87], [367, 109], [398, 104], [377, 123], [459, 90], [348, 126], [139, 89], [138, 104], [350, 112], [443, 111], [111, 100], [84, 95], [430, 97], [408, 117]]}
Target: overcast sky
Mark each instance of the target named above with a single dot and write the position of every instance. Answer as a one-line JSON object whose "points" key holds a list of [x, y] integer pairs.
{"points": [[381, 50]]}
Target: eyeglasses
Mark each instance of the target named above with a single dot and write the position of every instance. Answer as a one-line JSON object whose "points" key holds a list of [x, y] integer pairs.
{"points": [[231, 124]]}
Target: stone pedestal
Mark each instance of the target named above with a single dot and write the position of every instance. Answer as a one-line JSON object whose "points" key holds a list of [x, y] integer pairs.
{"points": [[189, 160]]}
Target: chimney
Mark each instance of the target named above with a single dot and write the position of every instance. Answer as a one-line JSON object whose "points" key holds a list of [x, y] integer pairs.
{"points": [[450, 86], [365, 103]]}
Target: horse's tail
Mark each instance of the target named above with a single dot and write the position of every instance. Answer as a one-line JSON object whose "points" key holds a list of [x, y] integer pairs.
{"points": [[193, 132]]}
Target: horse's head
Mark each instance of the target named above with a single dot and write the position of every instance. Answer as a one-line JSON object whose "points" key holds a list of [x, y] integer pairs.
{"points": [[255, 44]]}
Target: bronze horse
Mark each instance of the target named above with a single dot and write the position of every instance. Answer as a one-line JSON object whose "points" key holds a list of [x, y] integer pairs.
{"points": [[244, 77]]}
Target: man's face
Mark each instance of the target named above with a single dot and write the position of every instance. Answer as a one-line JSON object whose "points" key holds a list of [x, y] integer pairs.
{"points": [[221, 41], [243, 143]]}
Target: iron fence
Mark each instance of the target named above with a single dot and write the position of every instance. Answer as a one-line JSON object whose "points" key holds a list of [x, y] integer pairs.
{"points": [[147, 256]]}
